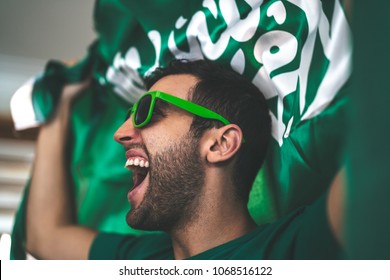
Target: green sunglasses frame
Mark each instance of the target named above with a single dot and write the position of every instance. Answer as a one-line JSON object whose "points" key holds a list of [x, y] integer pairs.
{"points": [[178, 102]]}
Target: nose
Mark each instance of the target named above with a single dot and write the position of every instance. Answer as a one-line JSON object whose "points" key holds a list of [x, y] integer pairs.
{"points": [[126, 133]]}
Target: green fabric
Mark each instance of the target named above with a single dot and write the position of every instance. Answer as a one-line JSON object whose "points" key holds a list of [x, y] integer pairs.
{"points": [[303, 234], [100, 180], [48, 87], [19, 230], [368, 214], [279, 45]]}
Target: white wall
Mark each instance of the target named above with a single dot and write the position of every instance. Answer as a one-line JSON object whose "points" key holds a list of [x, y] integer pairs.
{"points": [[34, 31]]}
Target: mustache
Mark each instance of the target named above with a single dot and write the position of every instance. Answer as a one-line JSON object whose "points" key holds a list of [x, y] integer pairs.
{"points": [[140, 146], [136, 146]]}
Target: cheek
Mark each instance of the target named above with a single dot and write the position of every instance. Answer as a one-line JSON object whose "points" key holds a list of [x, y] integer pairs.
{"points": [[158, 141], [158, 138], [180, 127]]}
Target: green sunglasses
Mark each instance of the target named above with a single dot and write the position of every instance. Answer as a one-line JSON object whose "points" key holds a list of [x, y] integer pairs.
{"points": [[142, 110]]}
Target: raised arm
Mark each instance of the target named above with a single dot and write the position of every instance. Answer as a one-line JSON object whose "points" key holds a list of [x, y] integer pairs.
{"points": [[52, 232]]}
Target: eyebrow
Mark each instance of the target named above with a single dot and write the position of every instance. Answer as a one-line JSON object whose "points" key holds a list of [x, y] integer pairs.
{"points": [[165, 106]]}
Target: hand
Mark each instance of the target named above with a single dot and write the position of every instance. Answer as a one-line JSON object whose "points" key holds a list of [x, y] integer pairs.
{"points": [[69, 93]]}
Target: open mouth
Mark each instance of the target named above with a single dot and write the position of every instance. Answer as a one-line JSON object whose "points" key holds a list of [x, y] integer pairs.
{"points": [[140, 169]]}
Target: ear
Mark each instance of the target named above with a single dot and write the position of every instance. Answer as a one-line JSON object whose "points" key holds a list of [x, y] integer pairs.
{"points": [[224, 143]]}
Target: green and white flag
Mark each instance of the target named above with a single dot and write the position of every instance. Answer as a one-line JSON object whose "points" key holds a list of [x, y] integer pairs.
{"points": [[297, 52]]}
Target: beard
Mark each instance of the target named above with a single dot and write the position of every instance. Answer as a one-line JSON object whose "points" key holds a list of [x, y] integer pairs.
{"points": [[172, 198]]}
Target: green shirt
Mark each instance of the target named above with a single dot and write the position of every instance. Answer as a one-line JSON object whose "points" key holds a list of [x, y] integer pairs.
{"points": [[303, 234]]}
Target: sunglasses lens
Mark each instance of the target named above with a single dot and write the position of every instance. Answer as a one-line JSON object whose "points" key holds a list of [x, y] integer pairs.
{"points": [[143, 109]]}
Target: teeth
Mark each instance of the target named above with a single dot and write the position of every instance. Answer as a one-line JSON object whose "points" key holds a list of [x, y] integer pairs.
{"points": [[137, 162]]}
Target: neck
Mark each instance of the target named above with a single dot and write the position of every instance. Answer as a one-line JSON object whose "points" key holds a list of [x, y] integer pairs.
{"points": [[216, 223]]}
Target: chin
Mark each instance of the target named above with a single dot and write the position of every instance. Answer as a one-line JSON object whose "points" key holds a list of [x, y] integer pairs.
{"points": [[138, 219]]}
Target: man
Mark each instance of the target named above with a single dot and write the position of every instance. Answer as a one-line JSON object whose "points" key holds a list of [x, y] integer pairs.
{"points": [[284, 47], [194, 144]]}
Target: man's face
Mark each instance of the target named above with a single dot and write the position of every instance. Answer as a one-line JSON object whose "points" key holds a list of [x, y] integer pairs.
{"points": [[167, 169]]}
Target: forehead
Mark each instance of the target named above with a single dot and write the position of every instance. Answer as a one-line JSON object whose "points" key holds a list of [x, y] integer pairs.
{"points": [[177, 85]]}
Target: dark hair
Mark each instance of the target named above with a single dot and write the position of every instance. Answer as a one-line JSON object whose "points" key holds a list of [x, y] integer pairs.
{"points": [[235, 98]]}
